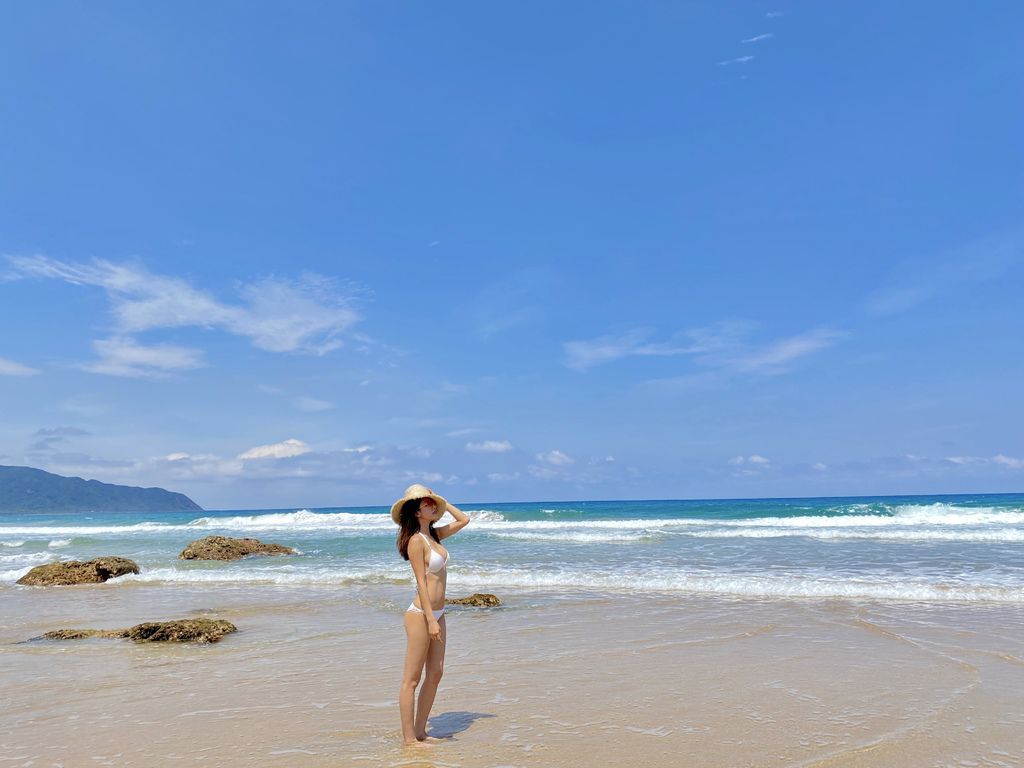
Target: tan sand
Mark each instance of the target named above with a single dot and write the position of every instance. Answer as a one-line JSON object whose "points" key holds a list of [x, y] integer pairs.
{"points": [[311, 679]]}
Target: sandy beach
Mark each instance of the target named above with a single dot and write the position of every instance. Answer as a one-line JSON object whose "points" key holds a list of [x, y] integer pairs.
{"points": [[311, 679]]}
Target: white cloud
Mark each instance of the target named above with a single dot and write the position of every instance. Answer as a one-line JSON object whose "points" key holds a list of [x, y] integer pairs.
{"points": [[737, 60], [501, 477], [309, 314], [282, 450], [489, 446], [1008, 461], [311, 404], [11, 368], [758, 38], [999, 459], [916, 281], [123, 356], [773, 357], [358, 449], [720, 348], [556, 457], [545, 473], [176, 456], [464, 432], [755, 460], [819, 467], [633, 343], [515, 300]]}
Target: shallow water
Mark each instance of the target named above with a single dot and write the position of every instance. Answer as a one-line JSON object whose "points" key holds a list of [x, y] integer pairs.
{"points": [[311, 679]]}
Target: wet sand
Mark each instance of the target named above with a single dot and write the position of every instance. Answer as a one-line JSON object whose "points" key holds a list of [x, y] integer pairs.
{"points": [[311, 679]]}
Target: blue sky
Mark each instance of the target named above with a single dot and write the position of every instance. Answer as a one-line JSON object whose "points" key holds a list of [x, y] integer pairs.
{"points": [[282, 255]]}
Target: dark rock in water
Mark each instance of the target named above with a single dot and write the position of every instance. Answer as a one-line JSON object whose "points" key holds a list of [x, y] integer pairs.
{"points": [[227, 548], [180, 631], [75, 572], [78, 634], [478, 600]]}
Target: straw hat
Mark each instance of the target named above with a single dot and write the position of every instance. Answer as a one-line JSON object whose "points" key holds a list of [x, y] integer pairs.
{"points": [[416, 491]]}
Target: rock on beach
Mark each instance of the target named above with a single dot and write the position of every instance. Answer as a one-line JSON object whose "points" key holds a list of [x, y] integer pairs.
{"points": [[75, 572], [477, 600], [178, 631], [227, 548]]}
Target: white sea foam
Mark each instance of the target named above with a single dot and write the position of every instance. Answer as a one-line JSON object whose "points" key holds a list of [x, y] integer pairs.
{"points": [[302, 519], [992, 535], [579, 537], [284, 575], [88, 530], [741, 585], [765, 586], [58, 543], [26, 557], [16, 543]]}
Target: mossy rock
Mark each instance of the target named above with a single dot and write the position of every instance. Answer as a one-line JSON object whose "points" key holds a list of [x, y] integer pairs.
{"points": [[477, 600], [227, 548], [75, 572], [178, 631]]}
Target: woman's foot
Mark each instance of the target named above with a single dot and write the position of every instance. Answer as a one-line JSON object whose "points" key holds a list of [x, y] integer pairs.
{"points": [[419, 743], [429, 739]]}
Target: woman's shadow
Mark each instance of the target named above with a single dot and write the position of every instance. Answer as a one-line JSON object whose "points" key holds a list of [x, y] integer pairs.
{"points": [[447, 724]]}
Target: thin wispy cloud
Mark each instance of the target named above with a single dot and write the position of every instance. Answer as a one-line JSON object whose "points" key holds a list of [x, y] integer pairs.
{"points": [[722, 348], [756, 459], [489, 446], [635, 343], [1001, 460], [50, 437], [737, 60], [774, 357], [310, 314], [515, 300], [123, 356], [915, 282], [758, 38], [311, 404], [12, 368]]}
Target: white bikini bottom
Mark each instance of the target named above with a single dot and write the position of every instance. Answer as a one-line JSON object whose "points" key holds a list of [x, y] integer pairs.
{"points": [[437, 614]]}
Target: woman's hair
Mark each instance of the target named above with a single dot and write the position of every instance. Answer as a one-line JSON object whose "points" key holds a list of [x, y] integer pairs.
{"points": [[409, 526]]}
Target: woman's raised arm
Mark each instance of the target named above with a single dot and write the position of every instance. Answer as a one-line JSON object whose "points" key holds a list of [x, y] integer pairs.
{"points": [[461, 521]]}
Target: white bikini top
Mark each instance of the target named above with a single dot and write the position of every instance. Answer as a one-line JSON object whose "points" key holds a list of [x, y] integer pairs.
{"points": [[436, 562]]}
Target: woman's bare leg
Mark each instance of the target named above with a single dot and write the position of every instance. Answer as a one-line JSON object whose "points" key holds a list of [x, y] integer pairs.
{"points": [[435, 669], [415, 657]]}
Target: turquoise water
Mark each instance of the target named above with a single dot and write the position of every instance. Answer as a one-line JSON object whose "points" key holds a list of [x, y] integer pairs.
{"points": [[920, 548]]}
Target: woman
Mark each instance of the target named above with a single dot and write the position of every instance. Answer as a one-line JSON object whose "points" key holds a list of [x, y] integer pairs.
{"points": [[419, 543]]}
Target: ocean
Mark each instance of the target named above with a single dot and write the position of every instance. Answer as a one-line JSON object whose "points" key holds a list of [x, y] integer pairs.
{"points": [[964, 549]]}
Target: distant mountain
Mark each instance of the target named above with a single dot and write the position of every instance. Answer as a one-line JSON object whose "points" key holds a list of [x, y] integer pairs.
{"points": [[24, 489]]}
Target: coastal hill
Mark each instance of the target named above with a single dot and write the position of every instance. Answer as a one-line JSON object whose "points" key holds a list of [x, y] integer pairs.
{"points": [[25, 489]]}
